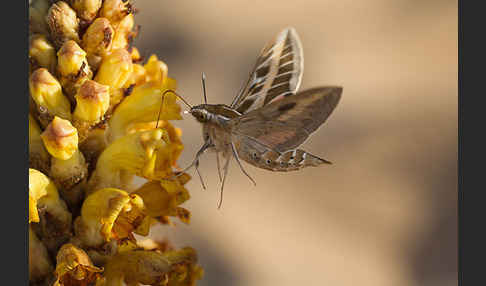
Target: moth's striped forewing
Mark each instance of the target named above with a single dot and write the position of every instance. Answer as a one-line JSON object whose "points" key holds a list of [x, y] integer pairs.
{"points": [[277, 73]]}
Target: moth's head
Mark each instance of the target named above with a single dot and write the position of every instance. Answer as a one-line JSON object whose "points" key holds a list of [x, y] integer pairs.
{"points": [[200, 112]]}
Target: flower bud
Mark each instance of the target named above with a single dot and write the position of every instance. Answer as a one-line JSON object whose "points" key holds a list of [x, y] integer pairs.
{"points": [[63, 23], [93, 100], [73, 68], [86, 9], [123, 33], [42, 53], [71, 59], [114, 71], [98, 38], [47, 94], [115, 10], [38, 156], [37, 16], [60, 138]]}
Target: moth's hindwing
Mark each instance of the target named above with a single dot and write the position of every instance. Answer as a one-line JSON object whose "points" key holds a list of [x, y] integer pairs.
{"points": [[264, 157], [277, 73]]}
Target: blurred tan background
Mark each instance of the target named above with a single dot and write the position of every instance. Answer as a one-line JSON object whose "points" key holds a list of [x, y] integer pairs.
{"points": [[385, 212]]}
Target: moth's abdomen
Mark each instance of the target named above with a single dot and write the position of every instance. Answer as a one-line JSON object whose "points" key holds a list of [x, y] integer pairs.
{"points": [[295, 160], [291, 160]]}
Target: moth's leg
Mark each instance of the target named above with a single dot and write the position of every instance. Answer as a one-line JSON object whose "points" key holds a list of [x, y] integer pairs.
{"points": [[195, 163], [239, 163], [217, 164], [225, 169]]}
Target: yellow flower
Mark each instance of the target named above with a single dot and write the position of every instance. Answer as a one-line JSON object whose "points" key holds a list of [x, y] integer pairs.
{"points": [[143, 105], [111, 214], [163, 198], [74, 267], [38, 156], [153, 268], [133, 154], [49, 210]]}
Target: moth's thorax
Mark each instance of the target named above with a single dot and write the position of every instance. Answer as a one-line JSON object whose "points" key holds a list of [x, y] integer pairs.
{"points": [[213, 112], [215, 119]]}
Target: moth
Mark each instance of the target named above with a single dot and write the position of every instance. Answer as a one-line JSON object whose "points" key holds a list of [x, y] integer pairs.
{"points": [[268, 120]]}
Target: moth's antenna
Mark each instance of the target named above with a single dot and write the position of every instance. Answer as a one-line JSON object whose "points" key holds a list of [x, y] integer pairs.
{"points": [[162, 104], [203, 78]]}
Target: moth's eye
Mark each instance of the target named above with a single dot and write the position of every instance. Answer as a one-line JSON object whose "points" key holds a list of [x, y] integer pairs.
{"points": [[201, 116]]}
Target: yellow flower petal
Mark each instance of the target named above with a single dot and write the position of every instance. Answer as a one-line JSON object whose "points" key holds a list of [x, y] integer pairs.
{"points": [[109, 214]]}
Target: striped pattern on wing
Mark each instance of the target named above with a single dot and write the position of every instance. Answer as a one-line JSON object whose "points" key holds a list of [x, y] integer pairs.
{"points": [[285, 124], [277, 73]]}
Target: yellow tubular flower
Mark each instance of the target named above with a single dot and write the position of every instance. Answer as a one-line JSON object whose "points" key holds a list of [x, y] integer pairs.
{"points": [[156, 70], [60, 138], [138, 75], [143, 105], [37, 16], [42, 53], [63, 23], [97, 40], [114, 71], [115, 10], [43, 194], [123, 32], [166, 157], [86, 9], [153, 268], [74, 267], [132, 153], [163, 198], [54, 220], [47, 94], [39, 263], [93, 100], [38, 156], [111, 214], [73, 68]]}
